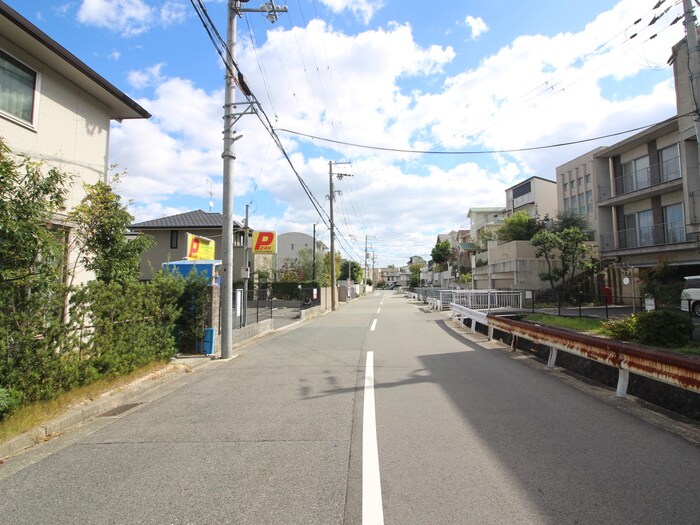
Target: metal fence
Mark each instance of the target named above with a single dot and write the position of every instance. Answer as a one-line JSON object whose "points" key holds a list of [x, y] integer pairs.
{"points": [[475, 299]]}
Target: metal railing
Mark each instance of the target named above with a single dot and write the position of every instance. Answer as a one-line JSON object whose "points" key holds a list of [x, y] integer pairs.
{"points": [[655, 235], [676, 370], [477, 299]]}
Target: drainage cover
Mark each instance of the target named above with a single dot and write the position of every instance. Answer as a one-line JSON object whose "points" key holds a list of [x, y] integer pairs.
{"points": [[119, 410]]}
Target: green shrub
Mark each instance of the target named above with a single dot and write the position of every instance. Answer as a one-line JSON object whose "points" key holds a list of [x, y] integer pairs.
{"points": [[656, 328], [664, 328], [624, 329], [9, 402]]}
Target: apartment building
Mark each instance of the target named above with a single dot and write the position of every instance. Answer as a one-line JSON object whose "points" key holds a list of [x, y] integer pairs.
{"points": [[577, 187], [535, 196], [485, 222]]}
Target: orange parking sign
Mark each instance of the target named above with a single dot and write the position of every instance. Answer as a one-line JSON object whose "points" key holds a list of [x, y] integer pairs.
{"points": [[264, 242]]}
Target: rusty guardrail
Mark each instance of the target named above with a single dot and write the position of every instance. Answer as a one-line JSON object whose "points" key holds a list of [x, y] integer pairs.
{"points": [[669, 368]]}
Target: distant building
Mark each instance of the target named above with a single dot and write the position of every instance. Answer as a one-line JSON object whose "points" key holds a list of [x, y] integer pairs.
{"points": [[170, 234], [535, 196], [289, 244]]}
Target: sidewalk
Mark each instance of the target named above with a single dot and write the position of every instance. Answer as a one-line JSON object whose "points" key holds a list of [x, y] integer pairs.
{"points": [[180, 364]]}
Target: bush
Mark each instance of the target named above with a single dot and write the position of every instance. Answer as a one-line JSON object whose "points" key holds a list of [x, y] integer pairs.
{"points": [[664, 328], [624, 329], [9, 402], [656, 328]]}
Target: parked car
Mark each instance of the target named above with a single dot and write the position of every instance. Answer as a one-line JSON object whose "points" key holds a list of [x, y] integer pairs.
{"points": [[690, 296]]}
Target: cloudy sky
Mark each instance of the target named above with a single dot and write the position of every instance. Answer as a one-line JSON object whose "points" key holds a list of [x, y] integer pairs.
{"points": [[429, 102]]}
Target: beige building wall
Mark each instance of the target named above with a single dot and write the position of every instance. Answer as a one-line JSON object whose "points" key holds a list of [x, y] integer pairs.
{"points": [[70, 129]]}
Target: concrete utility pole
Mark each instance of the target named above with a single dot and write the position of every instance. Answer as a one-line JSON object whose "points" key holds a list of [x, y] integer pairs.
{"points": [[230, 118], [693, 59], [313, 263], [366, 262], [331, 197]]}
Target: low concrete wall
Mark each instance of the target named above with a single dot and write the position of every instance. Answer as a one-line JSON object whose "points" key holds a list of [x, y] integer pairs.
{"points": [[252, 330]]}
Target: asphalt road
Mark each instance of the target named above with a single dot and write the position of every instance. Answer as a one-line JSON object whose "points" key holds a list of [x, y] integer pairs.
{"points": [[284, 434]]}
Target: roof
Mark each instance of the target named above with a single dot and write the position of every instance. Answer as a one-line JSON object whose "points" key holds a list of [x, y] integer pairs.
{"points": [[534, 177], [26, 35], [192, 219], [500, 209]]}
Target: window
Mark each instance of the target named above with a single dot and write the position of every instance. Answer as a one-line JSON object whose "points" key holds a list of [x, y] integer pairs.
{"points": [[173, 239], [579, 182], [674, 223], [670, 163], [566, 203], [17, 85], [574, 202], [589, 201], [640, 229], [635, 175], [588, 179], [581, 204], [566, 187]]}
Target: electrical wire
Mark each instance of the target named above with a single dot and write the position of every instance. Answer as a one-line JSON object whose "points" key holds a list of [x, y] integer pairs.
{"points": [[469, 152]]}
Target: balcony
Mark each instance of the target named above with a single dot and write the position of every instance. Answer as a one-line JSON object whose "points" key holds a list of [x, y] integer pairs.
{"points": [[653, 237]]}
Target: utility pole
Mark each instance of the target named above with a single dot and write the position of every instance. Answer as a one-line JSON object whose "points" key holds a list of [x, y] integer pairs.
{"points": [[231, 116], [693, 60], [313, 263], [366, 262], [246, 271], [331, 197]]}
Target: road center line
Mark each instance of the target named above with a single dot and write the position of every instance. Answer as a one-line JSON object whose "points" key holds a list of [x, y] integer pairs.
{"points": [[374, 326], [372, 512], [379, 310]]}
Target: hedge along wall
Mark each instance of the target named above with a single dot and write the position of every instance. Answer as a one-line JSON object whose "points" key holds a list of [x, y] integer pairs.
{"points": [[111, 329]]}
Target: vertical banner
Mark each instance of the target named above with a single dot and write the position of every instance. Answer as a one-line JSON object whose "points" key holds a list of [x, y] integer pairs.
{"points": [[200, 248], [264, 242]]}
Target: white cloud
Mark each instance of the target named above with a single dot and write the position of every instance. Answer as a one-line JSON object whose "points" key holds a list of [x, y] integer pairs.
{"points": [[363, 9], [150, 76], [130, 17], [536, 90], [476, 25]]}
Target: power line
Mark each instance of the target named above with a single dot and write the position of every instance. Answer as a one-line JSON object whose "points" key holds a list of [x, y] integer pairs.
{"points": [[468, 152]]}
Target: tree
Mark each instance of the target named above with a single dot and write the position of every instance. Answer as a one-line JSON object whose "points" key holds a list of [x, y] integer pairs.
{"points": [[326, 276], [565, 243], [442, 252], [519, 227], [548, 245], [415, 275], [356, 272], [102, 224], [570, 219]]}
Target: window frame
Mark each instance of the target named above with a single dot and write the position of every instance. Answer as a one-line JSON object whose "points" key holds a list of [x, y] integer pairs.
{"points": [[6, 113]]}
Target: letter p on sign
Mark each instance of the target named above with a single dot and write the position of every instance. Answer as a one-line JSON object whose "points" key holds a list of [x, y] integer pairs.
{"points": [[264, 242]]}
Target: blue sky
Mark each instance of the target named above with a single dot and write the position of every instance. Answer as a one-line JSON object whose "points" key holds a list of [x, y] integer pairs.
{"points": [[474, 76]]}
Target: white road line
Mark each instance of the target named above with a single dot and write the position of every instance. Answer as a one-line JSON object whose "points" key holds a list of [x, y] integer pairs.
{"points": [[379, 310], [372, 512], [374, 326]]}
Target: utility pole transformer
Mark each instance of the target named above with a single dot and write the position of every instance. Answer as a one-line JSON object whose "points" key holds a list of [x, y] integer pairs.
{"points": [[231, 116]]}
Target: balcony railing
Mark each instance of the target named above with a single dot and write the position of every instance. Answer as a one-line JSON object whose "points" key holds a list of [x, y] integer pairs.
{"points": [[641, 237], [671, 169], [630, 182]]}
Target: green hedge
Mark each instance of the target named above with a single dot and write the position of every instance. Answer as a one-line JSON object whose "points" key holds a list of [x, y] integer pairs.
{"points": [[109, 329], [288, 291]]}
